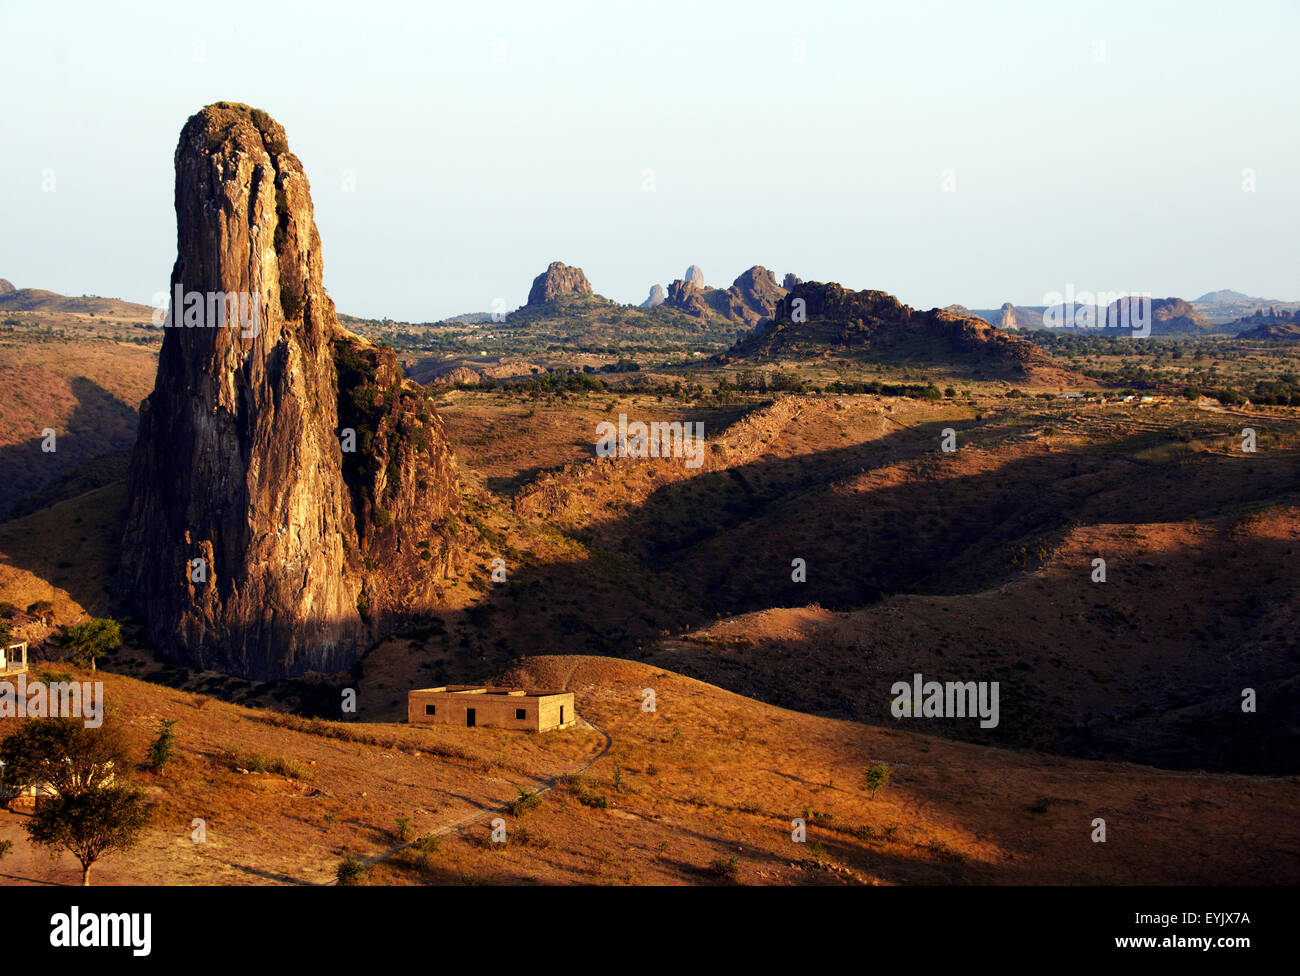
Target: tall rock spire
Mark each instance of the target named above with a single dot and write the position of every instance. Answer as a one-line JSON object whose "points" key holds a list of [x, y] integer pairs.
{"points": [[291, 497]]}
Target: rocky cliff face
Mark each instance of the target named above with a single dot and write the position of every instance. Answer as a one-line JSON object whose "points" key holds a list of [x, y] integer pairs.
{"points": [[1007, 318], [1173, 316], [751, 298], [557, 281], [6, 286], [655, 298], [689, 298], [291, 497]]}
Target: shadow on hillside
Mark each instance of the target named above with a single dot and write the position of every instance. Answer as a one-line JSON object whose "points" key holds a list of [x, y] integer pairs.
{"points": [[722, 542], [99, 428]]}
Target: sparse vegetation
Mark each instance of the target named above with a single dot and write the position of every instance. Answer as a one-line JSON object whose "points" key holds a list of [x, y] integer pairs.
{"points": [[88, 642], [160, 750], [351, 871], [877, 775]]}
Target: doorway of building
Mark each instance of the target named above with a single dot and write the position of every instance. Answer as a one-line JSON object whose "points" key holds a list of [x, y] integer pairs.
{"points": [[469, 718], [561, 714]]}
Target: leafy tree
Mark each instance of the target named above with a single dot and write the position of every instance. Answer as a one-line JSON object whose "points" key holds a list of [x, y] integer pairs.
{"points": [[102, 821], [41, 610], [64, 753], [91, 640], [877, 776]]}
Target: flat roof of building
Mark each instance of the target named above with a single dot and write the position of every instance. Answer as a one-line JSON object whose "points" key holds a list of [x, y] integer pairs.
{"points": [[489, 690]]}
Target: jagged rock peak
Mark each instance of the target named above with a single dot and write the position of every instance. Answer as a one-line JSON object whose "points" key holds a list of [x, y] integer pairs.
{"points": [[284, 470], [655, 298], [557, 281]]}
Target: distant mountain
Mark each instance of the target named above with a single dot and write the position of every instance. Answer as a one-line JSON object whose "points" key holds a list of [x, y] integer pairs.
{"points": [[1226, 307], [751, 298], [1169, 316], [563, 308], [1227, 296], [1274, 324], [1280, 331], [38, 300], [876, 326], [1173, 316], [558, 281]]}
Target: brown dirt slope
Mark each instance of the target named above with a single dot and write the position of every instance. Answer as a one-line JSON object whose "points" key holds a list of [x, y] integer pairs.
{"points": [[706, 778]]}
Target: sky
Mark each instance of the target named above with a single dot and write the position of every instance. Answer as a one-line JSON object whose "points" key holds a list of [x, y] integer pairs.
{"points": [[943, 152]]}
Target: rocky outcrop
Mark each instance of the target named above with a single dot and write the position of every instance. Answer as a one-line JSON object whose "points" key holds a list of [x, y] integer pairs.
{"points": [[655, 298], [689, 298], [790, 281], [1007, 318], [751, 298], [1173, 316], [1276, 323], [875, 325], [292, 498], [6, 286], [694, 276], [558, 281]]}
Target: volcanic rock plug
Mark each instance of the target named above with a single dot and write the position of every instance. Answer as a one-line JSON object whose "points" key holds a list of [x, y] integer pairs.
{"points": [[292, 498]]}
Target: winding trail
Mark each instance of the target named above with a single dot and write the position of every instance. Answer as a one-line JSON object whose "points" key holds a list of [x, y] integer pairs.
{"points": [[483, 813]]}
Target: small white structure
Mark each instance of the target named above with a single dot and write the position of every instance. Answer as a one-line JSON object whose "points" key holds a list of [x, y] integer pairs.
{"points": [[13, 659]]}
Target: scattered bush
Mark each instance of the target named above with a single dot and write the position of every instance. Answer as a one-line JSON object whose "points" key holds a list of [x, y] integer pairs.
{"points": [[403, 827], [877, 776], [351, 871], [524, 802], [726, 868], [276, 765], [160, 750]]}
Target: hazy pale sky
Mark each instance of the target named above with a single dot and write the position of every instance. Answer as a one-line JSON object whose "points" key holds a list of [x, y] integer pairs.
{"points": [[1098, 144]]}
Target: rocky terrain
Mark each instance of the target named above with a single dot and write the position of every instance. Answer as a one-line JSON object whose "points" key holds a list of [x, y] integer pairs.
{"points": [[751, 298], [291, 497], [1276, 323], [872, 324], [558, 281]]}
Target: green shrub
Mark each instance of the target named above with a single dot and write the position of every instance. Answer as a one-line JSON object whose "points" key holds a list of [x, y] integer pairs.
{"points": [[351, 871], [160, 750], [726, 868], [522, 803]]}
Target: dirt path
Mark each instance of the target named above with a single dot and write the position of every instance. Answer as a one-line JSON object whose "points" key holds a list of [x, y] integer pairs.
{"points": [[484, 813]]}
